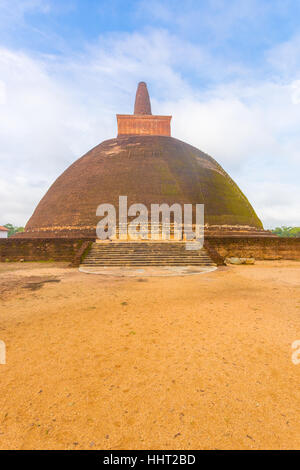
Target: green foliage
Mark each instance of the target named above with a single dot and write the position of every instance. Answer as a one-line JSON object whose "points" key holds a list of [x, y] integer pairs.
{"points": [[12, 229], [295, 231], [287, 231]]}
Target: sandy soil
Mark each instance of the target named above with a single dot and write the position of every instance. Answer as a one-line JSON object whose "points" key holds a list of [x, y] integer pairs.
{"points": [[190, 362]]}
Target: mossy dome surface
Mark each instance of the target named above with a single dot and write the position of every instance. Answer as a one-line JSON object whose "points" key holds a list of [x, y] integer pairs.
{"points": [[149, 170]]}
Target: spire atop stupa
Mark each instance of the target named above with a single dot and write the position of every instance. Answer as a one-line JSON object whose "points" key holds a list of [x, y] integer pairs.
{"points": [[142, 103], [142, 122]]}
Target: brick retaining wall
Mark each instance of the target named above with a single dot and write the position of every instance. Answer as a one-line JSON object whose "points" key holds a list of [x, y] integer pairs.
{"points": [[49, 249], [261, 248], [65, 249]]}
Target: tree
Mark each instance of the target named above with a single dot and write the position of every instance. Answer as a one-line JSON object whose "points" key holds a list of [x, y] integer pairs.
{"points": [[12, 229], [287, 231], [295, 232]]}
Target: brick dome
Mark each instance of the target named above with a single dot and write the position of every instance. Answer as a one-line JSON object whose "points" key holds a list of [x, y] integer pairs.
{"points": [[148, 166], [147, 169]]}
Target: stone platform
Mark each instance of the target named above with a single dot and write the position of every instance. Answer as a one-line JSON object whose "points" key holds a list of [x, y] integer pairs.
{"points": [[146, 271]]}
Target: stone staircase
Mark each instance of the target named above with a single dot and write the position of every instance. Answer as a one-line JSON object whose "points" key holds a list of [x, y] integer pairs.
{"points": [[132, 254]]}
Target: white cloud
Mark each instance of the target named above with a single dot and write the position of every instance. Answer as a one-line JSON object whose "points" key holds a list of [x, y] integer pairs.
{"points": [[296, 92], [254, 133], [277, 201], [2, 93], [238, 122], [13, 11], [53, 110], [218, 19], [285, 57]]}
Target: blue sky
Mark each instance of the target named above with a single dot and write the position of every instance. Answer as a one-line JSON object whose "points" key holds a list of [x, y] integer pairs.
{"points": [[228, 72]]}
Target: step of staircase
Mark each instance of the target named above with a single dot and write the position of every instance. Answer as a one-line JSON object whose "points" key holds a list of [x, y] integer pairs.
{"points": [[145, 254]]}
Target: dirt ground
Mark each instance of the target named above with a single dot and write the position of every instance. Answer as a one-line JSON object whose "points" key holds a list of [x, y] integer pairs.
{"points": [[186, 362]]}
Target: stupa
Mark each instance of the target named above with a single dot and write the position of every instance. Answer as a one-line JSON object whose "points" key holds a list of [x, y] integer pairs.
{"points": [[148, 166]]}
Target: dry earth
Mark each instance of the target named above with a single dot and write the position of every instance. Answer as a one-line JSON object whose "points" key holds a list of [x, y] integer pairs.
{"points": [[194, 362]]}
